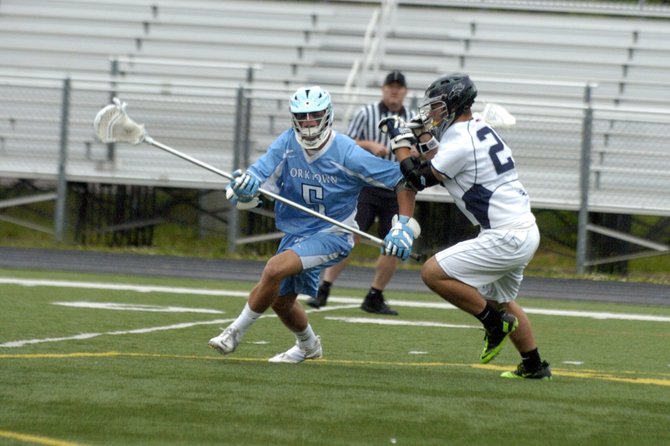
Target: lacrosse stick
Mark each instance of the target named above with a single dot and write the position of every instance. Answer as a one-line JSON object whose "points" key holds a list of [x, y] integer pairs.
{"points": [[112, 124], [497, 116]]}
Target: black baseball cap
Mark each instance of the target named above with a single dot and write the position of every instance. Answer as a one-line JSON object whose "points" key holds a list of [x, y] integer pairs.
{"points": [[397, 77]]}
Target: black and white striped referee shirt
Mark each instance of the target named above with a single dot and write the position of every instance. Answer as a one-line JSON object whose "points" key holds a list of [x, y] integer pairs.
{"points": [[364, 124]]}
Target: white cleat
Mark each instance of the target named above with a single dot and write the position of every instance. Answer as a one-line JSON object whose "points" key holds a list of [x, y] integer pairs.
{"points": [[296, 355], [227, 341]]}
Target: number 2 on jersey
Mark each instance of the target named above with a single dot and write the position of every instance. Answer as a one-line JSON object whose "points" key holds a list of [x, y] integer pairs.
{"points": [[495, 147]]}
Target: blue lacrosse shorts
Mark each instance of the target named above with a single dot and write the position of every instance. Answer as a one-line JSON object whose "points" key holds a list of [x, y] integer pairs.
{"points": [[316, 252]]}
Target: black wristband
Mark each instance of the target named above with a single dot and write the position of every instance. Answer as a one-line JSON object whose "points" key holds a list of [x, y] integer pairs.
{"points": [[418, 174]]}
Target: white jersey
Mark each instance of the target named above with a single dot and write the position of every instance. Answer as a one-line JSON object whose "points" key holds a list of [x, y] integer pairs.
{"points": [[481, 176]]}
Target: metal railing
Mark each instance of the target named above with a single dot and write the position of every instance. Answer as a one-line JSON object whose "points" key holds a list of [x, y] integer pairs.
{"points": [[576, 157]]}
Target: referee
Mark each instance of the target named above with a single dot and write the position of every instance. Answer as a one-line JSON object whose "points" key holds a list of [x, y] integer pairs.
{"points": [[373, 202]]}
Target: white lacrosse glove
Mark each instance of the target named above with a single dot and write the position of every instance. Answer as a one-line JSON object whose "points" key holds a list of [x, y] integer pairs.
{"points": [[242, 202], [421, 126], [398, 242], [399, 134]]}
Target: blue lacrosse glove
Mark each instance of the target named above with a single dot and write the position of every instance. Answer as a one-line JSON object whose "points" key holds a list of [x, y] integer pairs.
{"points": [[398, 242], [399, 134], [243, 201], [391, 125], [242, 205], [245, 186]]}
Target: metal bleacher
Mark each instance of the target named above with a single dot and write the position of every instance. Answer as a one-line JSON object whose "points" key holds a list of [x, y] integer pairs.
{"points": [[625, 59], [180, 65], [626, 56]]}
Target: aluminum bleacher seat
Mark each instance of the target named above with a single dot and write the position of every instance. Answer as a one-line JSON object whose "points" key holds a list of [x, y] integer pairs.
{"points": [[531, 46], [75, 42], [91, 11], [76, 37], [246, 15], [68, 37]]}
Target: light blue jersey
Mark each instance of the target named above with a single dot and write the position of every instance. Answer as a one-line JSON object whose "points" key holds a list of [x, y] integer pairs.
{"points": [[328, 181]]}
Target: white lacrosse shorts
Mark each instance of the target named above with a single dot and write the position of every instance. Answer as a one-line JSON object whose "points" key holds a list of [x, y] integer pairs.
{"points": [[493, 262]]}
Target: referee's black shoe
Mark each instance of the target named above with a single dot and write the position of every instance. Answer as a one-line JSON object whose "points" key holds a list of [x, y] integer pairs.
{"points": [[376, 304], [321, 298]]}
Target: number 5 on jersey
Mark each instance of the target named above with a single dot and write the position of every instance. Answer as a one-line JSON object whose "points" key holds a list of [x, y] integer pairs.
{"points": [[313, 196]]}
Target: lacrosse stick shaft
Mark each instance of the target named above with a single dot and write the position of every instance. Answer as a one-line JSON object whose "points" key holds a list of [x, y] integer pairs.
{"points": [[377, 241]]}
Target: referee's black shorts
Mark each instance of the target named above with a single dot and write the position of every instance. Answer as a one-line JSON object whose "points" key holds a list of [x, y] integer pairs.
{"points": [[376, 202]]}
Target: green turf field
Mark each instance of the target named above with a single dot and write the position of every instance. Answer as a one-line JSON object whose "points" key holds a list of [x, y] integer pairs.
{"points": [[139, 374]]}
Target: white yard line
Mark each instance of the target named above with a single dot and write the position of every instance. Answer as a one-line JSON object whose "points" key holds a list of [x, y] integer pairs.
{"points": [[348, 302], [378, 321], [121, 287], [81, 336], [332, 299], [136, 307], [542, 311]]}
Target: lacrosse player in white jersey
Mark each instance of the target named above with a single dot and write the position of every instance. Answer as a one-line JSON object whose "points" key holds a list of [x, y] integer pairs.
{"points": [[314, 166], [481, 276]]}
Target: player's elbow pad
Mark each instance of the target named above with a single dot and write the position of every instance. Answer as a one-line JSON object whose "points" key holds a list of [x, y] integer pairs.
{"points": [[418, 174]]}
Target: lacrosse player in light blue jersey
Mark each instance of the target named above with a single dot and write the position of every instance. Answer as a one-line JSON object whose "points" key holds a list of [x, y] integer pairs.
{"points": [[316, 167]]}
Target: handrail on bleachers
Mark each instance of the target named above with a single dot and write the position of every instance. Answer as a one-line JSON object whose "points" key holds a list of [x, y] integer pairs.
{"points": [[601, 8]]}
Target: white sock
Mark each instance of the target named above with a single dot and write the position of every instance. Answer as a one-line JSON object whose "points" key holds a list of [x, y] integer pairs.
{"points": [[306, 338], [246, 319]]}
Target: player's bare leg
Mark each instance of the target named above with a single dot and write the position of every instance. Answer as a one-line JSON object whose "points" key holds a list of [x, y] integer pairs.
{"points": [[374, 301], [384, 270], [330, 275], [532, 366], [291, 313], [498, 326], [276, 269], [262, 296], [293, 316], [459, 294], [522, 338]]}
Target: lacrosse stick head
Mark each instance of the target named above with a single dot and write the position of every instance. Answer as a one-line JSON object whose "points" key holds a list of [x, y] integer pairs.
{"points": [[497, 116], [112, 124]]}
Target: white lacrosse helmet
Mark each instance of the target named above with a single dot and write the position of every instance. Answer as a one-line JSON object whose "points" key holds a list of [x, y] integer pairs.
{"points": [[311, 115]]}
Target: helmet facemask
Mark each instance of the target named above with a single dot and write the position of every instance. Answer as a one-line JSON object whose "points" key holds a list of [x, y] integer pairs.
{"points": [[436, 116], [311, 116], [312, 128]]}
